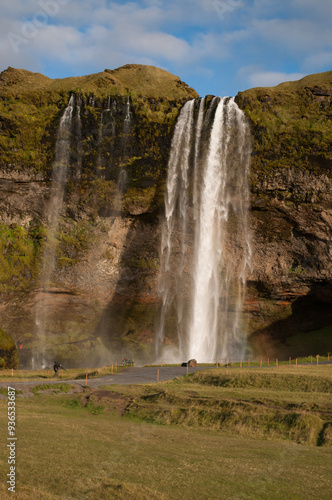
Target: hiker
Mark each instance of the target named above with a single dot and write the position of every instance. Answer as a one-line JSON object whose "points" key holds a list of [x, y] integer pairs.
{"points": [[56, 367]]}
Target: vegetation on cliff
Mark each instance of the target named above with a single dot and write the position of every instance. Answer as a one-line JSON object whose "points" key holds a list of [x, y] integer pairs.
{"points": [[8, 352], [31, 105], [291, 203], [292, 127]]}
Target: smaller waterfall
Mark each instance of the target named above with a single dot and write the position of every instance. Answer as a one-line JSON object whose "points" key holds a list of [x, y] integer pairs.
{"points": [[121, 188], [79, 148], [106, 129], [126, 127], [128, 115], [58, 184]]}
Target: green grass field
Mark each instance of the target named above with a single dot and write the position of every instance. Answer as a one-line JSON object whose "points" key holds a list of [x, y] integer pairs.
{"points": [[261, 433]]}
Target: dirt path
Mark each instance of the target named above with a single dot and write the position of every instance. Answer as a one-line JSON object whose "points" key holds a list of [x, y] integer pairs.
{"points": [[136, 375]]}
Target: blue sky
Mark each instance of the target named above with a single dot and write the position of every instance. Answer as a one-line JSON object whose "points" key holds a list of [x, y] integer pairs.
{"points": [[218, 47]]}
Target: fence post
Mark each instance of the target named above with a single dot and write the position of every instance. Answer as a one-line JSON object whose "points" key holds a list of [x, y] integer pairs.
{"points": [[158, 375], [241, 363], [217, 363], [276, 362]]}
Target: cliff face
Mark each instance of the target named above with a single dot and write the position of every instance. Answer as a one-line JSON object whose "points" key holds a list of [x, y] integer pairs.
{"points": [[103, 288], [103, 293], [290, 291]]}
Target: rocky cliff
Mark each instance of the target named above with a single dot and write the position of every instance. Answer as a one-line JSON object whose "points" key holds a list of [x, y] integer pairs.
{"points": [[290, 292], [103, 294]]}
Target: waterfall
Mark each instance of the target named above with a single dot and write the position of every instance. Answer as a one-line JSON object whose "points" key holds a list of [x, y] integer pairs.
{"points": [[176, 199], [126, 126], [58, 184], [197, 150], [79, 146], [121, 186], [207, 202], [106, 130]]}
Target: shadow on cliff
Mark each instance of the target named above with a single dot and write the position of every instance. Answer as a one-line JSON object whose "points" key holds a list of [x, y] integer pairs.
{"points": [[127, 323], [307, 331]]}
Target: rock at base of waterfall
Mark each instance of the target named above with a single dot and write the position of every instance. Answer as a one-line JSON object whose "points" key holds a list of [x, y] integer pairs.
{"points": [[192, 363]]}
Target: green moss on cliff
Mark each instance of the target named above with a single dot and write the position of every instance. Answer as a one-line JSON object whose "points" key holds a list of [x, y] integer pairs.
{"points": [[8, 352], [20, 250], [31, 105], [291, 124], [74, 239]]}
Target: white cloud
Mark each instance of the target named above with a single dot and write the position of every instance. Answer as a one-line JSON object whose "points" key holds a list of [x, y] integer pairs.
{"points": [[298, 36], [183, 36], [318, 60], [270, 78]]}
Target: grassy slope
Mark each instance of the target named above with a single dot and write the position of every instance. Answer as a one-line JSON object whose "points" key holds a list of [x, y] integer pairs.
{"points": [[133, 79], [66, 451], [290, 125]]}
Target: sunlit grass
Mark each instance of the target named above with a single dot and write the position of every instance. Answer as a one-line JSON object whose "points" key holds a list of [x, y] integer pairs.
{"points": [[66, 452]]}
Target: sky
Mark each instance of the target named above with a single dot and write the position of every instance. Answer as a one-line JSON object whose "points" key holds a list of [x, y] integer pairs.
{"points": [[219, 47]]}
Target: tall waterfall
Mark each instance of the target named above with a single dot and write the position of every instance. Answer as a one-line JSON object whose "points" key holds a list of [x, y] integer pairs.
{"points": [[205, 249], [58, 184]]}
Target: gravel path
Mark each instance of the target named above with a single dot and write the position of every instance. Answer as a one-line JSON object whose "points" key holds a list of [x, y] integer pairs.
{"points": [[136, 375]]}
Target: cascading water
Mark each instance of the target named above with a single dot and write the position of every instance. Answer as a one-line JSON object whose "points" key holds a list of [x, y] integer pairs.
{"points": [[126, 126], [206, 300], [78, 131], [106, 129], [58, 184], [176, 197], [121, 186]]}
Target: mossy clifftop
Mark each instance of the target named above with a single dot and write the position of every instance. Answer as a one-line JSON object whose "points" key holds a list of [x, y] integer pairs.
{"points": [[291, 125], [31, 105]]}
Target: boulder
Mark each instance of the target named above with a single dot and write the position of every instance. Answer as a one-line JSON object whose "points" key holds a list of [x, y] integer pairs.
{"points": [[192, 363]]}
